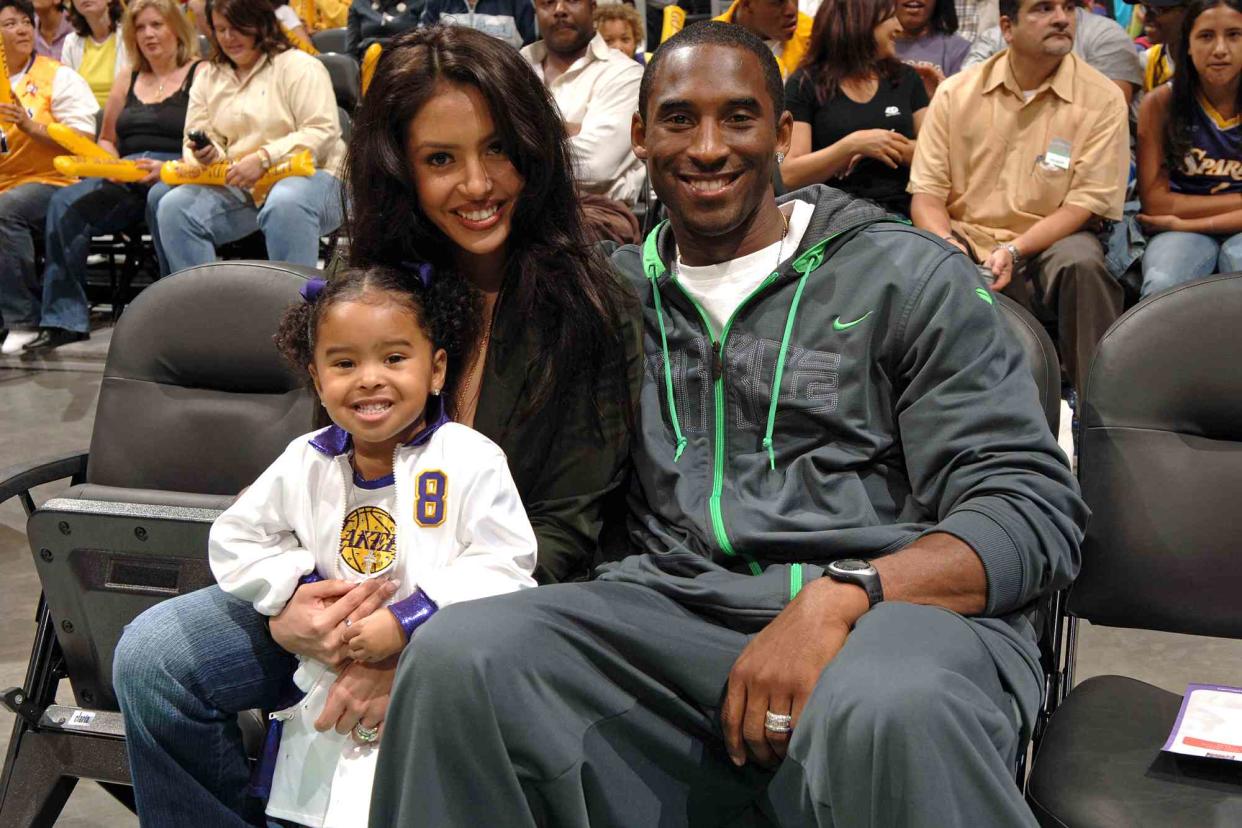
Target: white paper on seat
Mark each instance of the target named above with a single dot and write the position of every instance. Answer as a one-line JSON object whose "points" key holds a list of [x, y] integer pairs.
{"points": [[1209, 723]]}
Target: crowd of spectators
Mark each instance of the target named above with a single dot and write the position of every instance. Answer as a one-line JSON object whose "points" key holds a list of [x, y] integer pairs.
{"points": [[985, 122]]}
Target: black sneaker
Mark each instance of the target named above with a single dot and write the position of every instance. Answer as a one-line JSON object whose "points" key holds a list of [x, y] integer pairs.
{"points": [[49, 338]]}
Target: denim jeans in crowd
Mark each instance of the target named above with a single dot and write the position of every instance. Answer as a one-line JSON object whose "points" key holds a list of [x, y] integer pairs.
{"points": [[22, 213], [183, 670], [193, 219], [1173, 258], [93, 207]]}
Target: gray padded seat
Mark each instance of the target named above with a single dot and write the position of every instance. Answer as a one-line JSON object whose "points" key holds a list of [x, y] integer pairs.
{"points": [[195, 398], [346, 79], [1161, 468], [330, 40], [1041, 356]]}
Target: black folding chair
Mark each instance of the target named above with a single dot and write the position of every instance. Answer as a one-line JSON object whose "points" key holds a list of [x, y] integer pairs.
{"points": [[1161, 468], [195, 402]]}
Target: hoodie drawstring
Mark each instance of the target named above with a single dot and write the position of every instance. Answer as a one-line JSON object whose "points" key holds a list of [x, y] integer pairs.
{"points": [[653, 273], [805, 266]]}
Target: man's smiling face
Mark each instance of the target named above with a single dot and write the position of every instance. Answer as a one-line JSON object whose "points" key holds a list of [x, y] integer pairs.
{"points": [[710, 137]]}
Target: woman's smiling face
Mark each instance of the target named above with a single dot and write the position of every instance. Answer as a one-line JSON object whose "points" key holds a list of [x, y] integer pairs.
{"points": [[465, 183]]}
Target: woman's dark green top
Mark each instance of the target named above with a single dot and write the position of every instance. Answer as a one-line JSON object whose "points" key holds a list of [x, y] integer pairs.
{"points": [[568, 463]]}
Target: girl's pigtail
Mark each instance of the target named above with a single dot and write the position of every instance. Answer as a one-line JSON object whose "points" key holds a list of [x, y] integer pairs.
{"points": [[294, 336]]}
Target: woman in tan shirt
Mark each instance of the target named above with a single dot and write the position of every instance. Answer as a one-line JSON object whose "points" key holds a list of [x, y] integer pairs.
{"points": [[259, 102]]}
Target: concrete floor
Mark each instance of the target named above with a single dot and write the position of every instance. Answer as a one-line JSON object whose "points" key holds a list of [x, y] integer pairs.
{"points": [[49, 411]]}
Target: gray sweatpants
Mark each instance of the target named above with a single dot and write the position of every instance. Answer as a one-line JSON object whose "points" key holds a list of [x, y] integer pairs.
{"points": [[598, 704]]}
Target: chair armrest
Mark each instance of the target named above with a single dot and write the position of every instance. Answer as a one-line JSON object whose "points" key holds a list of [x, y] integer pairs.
{"points": [[21, 478]]}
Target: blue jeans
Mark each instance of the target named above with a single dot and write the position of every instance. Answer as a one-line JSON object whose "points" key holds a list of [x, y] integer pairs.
{"points": [[1173, 258], [93, 207], [193, 219], [22, 211], [183, 670]]}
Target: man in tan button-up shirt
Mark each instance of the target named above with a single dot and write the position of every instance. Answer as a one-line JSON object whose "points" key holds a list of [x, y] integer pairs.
{"points": [[1018, 159]]}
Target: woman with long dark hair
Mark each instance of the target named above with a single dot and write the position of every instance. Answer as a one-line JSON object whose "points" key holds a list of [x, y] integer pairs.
{"points": [[473, 158], [856, 108], [458, 159], [1190, 153]]}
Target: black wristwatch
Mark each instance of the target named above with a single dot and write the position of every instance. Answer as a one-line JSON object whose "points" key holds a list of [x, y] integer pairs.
{"points": [[857, 571]]}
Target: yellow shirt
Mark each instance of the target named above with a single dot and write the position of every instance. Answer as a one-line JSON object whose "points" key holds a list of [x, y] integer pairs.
{"points": [[27, 160], [790, 53], [1002, 162], [99, 66]]}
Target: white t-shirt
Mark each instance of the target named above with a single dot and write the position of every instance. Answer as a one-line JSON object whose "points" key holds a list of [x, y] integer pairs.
{"points": [[720, 288], [73, 102]]}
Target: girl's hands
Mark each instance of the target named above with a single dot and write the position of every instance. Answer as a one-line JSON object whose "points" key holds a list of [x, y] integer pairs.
{"points": [[375, 637]]}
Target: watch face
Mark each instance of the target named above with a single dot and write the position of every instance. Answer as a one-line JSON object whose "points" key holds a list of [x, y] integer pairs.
{"points": [[852, 565]]}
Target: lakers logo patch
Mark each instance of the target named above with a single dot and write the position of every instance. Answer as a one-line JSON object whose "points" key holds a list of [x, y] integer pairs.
{"points": [[369, 540]]}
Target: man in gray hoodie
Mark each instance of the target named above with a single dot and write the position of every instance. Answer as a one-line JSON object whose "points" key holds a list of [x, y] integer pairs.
{"points": [[847, 501]]}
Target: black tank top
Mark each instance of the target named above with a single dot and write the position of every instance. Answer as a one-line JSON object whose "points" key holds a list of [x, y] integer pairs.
{"points": [[153, 127]]}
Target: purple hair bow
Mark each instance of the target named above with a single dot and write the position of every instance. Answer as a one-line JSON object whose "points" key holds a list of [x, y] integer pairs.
{"points": [[311, 290]]}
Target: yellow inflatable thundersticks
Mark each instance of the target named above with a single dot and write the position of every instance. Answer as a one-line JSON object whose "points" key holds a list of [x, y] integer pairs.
{"points": [[179, 172], [6, 93], [370, 59], [298, 41], [113, 169], [76, 144], [674, 22]]}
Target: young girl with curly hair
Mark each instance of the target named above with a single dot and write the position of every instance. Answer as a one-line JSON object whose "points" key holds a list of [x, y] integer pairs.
{"points": [[393, 489]]}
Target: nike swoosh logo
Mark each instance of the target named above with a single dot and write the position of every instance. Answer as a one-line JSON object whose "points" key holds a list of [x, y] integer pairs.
{"points": [[983, 294], [838, 325]]}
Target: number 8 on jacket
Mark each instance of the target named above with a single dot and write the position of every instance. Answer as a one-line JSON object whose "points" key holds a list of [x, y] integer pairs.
{"points": [[429, 504]]}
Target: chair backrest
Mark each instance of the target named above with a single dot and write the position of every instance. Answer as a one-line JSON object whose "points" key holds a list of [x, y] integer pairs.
{"points": [[1041, 356], [1160, 464], [330, 40], [346, 79], [195, 397], [347, 124]]}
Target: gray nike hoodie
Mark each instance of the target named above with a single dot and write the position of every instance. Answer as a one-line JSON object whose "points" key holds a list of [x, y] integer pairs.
{"points": [[903, 406]]}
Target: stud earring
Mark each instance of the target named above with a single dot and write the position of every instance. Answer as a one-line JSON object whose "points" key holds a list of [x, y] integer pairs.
{"points": [[435, 392], [780, 158]]}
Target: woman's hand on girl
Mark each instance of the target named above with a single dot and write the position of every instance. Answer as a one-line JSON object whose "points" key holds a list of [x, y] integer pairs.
{"points": [[375, 637], [312, 623], [359, 696]]}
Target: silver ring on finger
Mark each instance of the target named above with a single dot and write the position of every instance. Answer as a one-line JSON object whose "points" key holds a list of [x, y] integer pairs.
{"points": [[777, 722], [365, 734], [348, 623]]}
